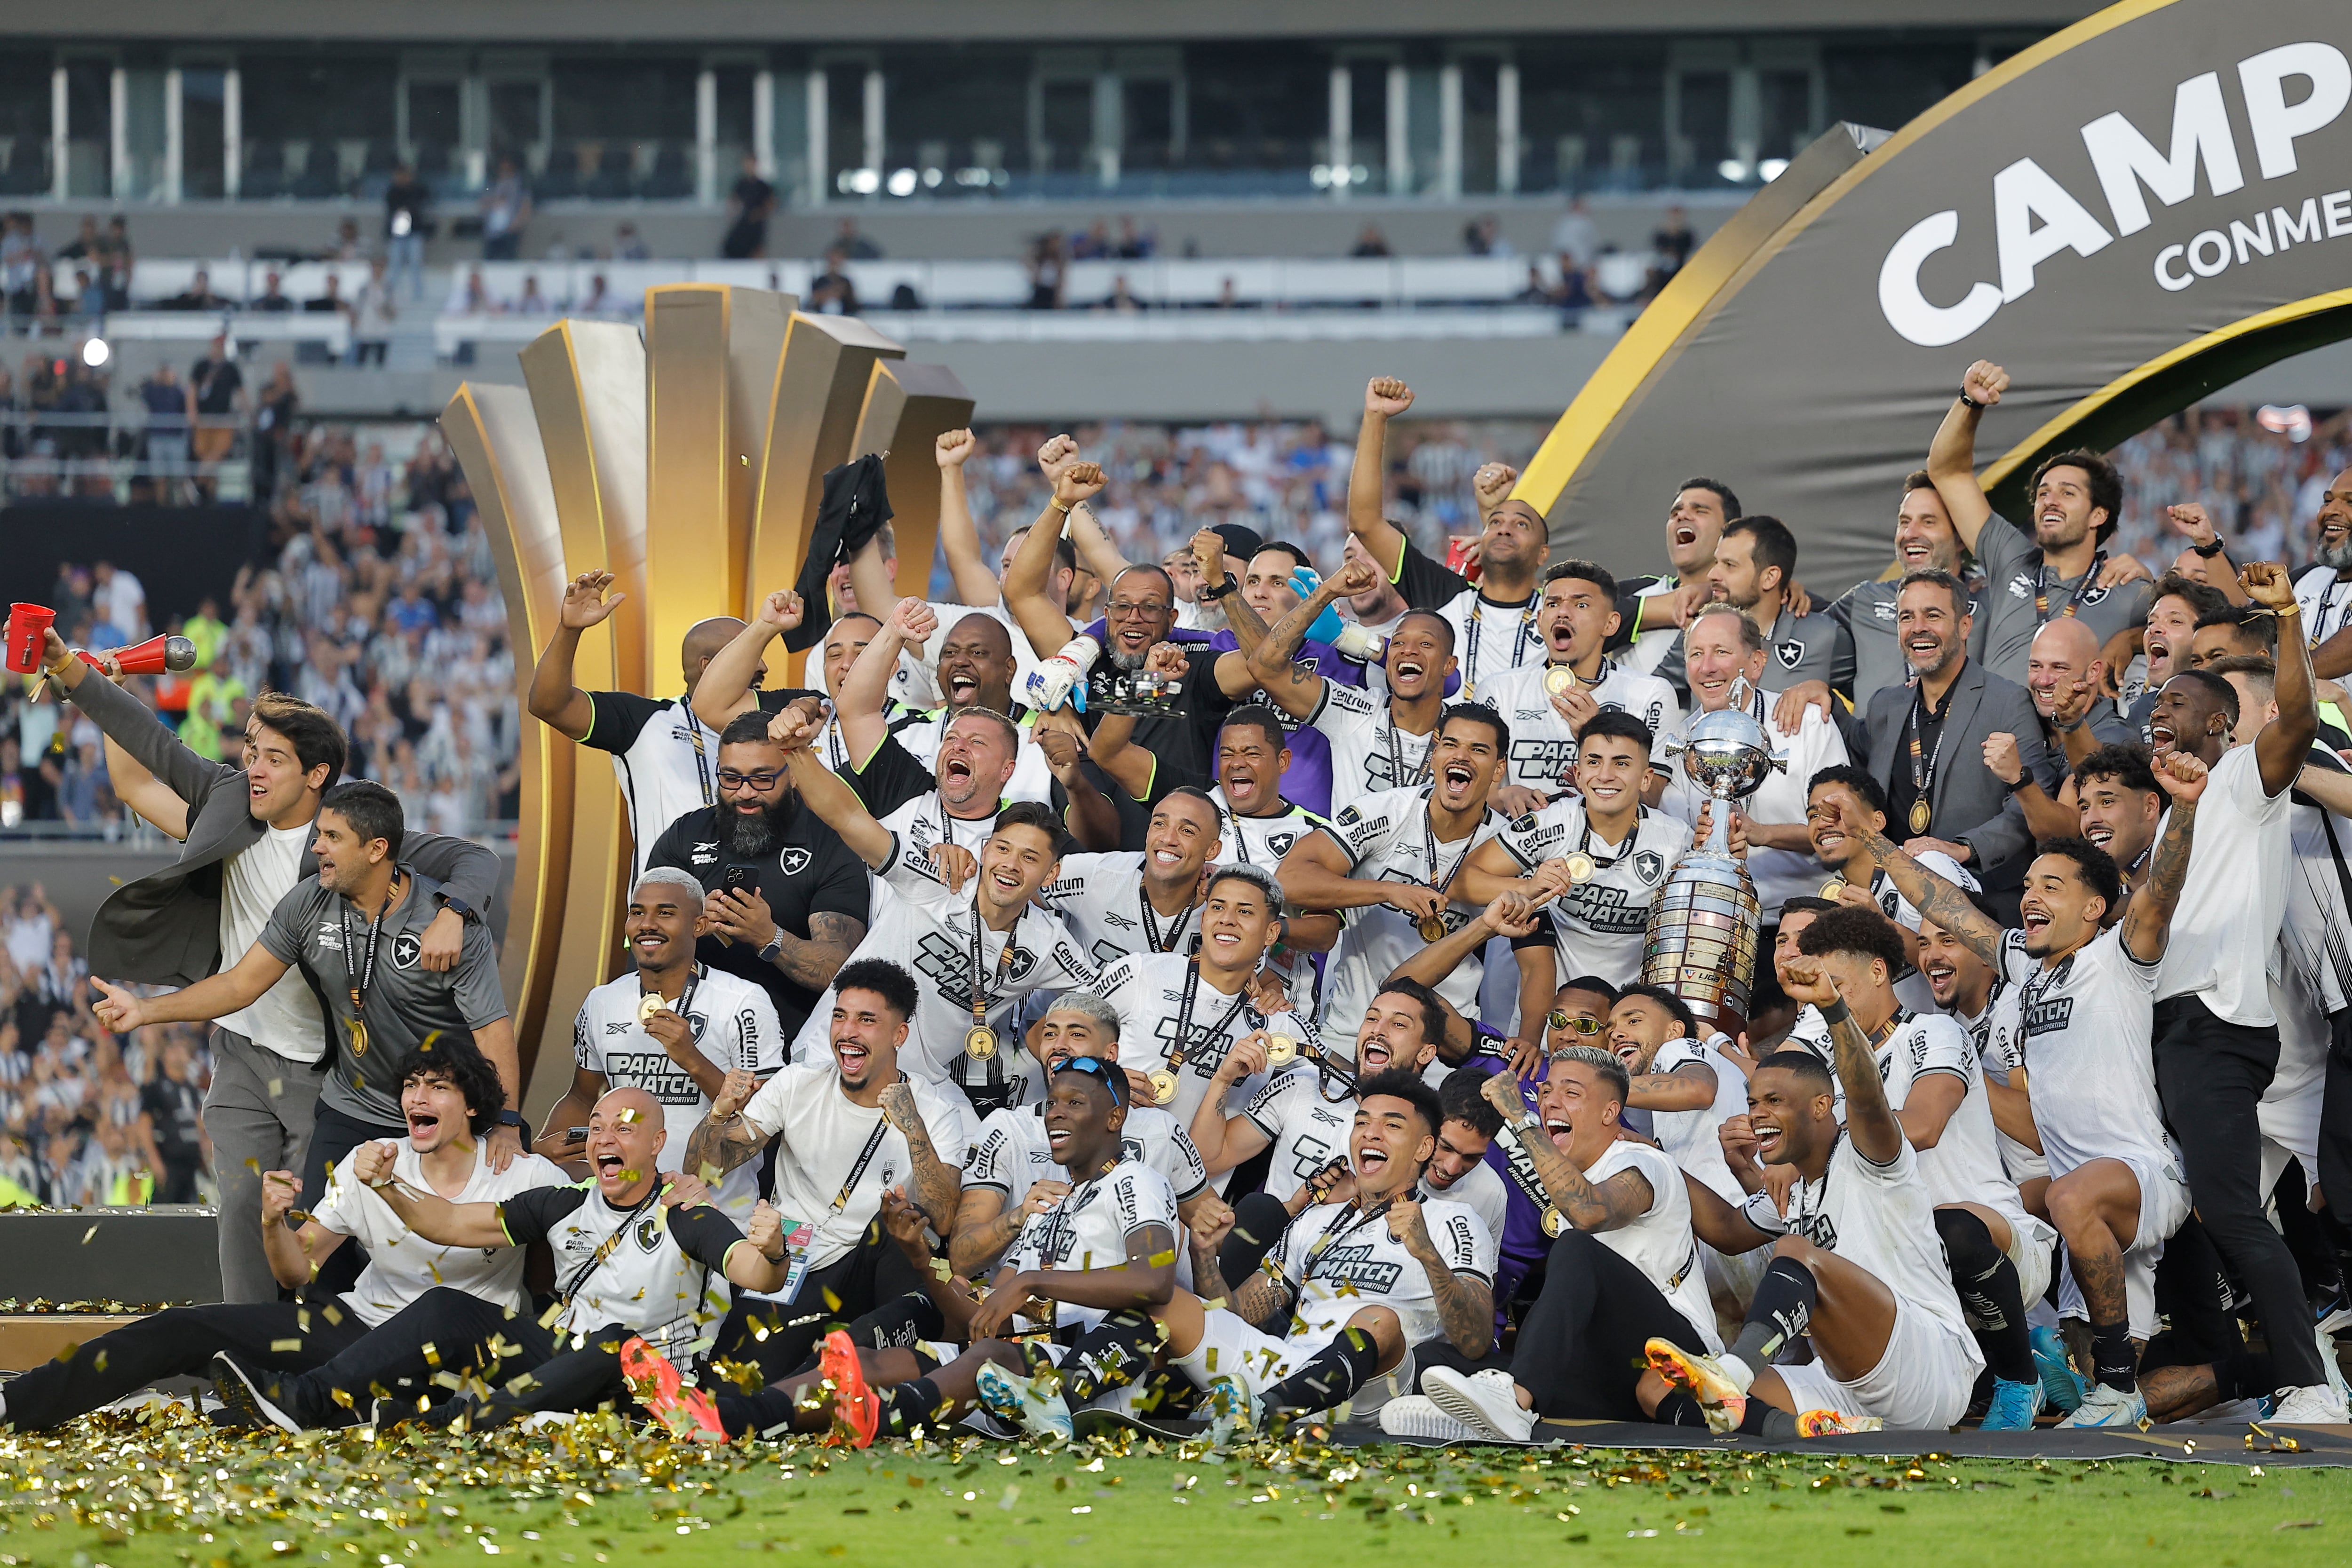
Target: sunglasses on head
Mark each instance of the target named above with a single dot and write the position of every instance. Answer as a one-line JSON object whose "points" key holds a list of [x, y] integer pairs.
{"points": [[1112, 1076]]}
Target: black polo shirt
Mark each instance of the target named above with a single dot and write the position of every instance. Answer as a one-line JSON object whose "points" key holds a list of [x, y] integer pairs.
{"points": [[1900, 791], [811, 871]]}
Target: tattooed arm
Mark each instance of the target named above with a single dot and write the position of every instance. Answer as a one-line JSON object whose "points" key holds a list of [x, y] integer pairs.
{"points": [[1876, 1133], [1465, 1305], [1935, 899], [723, 1139], [937, 1183], [2147, 922], [1260, 1300]]}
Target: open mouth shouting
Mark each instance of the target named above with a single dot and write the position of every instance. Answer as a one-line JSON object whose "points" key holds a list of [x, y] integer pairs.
{"points": [[424, 1125], [851, 1057], [959, 685], [612, 1170], [1556, 1127], [1681, 535], [1939, 973], [2161, 736], [1372, 1160], [1408, 673], [1767, 1136], [1459, 781], [2034, 916]]}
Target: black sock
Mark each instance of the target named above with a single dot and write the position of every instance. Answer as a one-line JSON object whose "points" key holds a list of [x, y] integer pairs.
{"points": [[1988, 1286], [1762, 1420], [2112, 1361], [1329, 1376], [1109, 1355], [1679, 1410], [912, 1403], [2242, 1375], [1782, 1311]]}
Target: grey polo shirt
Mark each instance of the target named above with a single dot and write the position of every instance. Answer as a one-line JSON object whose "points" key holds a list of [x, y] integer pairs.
{"points": [[2014, 581], [404, 1004]]}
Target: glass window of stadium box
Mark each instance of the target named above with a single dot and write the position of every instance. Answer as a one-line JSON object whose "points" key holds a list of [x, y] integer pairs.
{"points": [[434, 116], [317, 126], [957, 120], [1592, 114], [1258, 121], [624, 126], [27, 160]]}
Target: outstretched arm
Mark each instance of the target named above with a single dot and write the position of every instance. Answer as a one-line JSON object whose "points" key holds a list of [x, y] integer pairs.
{"points": [[864, 694], [826, 792], [725, 688], [1952, 455], [975, 583], [2283, 744], [2147, 920], [1294, 690], [1938, 899], [1046, 623], [554, 700], [208, 999], [1384, 398]]}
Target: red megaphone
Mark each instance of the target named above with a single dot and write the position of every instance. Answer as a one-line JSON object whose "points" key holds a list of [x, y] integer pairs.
{"points": [[152, 657]]}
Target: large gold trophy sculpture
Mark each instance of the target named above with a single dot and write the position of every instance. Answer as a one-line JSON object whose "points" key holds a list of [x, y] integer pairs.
{"points": [[686, 462]]}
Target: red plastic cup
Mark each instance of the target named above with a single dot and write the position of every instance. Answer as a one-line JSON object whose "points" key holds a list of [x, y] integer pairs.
{"points": [[28, 632]]}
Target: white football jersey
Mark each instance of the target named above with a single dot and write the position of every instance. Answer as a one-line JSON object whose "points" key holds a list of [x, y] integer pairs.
{"points": [[1341, 1260], [1483, 1190], [1386, 837], [1262, 842], [2326, 600], [734, 1025], [1658, 1241], [825, 1141], [403, 1265], [2088, 1021], [1689, 1136], [1089, 1229], [1100, 898], [1543, 746], [1012, 1154], [1999, 1032], [1369, 752], [1964, 1165], [646, 1268], [1601, 926], [922, 822], [1490, 637], [1148, 992], [1308, 1131]]}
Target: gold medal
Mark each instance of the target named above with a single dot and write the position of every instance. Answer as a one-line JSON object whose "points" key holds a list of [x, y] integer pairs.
{"points": [[1554, 1221], [1560, 680], [1581, 867], [1281, 1051], [1433, 929], [1921, 815], [1164, 1086], [650, 1004], [1834, 889], [358, 1027], [980, 1042]]}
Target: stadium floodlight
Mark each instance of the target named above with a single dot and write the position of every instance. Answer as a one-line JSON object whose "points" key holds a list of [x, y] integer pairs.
{"points": [[1772, 169], [972, 176], [902, 182], [1733, 170]]}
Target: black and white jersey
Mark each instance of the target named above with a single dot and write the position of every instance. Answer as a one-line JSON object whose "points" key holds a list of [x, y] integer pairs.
{"points": [[1964, 1165], [1100, 898], [1368, 751], [1600, 926], [1012, 1154], [921, 824], [403, 1265], [823, 1139], [665, 759], [1879, 1217], [1148, 992], [2326, 596], [1490, 635], [1999, 1033], [733, 1024], [1262, 842], [654, 1277], [1658, 1241], [1341, 1260], [1481, 1188], [928, 931], [1911, 988], [1089, 1229], [1309, 1131], [2088, 1019], [1688, 1137], [1387, 837], [1543, 746]]}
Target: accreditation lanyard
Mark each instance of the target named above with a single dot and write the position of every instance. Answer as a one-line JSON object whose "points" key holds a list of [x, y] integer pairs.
{"points": [[1429, 847], [1151, 922], [2075, 604], [701, 755], [980, 1000], [1399, 779], [801, 1238], [1923, 771], [1183, 1049], [1520, 639], [1338, 1233], [364, 976]]}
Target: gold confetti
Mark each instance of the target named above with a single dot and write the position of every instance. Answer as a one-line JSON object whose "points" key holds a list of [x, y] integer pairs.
{"points": [[88, 1234], [432, 1354], [334, 1313], [1161, 1259], [285, 1347]]}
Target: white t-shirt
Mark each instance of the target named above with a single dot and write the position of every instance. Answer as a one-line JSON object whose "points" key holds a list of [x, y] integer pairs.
{"points": [[1308, 1131], [1689, 1136], [1369, 752], [403, 1265], [1148, 991], [927, 931], [916, 681], [1262, 842], [2089, 1066], [1964, 1165], [1881, 1219], [1999, 1035], [285, 1019], [1779, 874], [1386, 837], [1600, 926], [1100, 898], [2326, 600], [1089, 1229], [821, 1133], [1483, 1191], [1543, 746], [1658, 1241], [734, 1024], [2225, 928], [1339, 1261]]}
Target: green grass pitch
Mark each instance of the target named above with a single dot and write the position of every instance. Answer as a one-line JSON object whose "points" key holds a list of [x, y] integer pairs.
{"points": [[161, 1491]]}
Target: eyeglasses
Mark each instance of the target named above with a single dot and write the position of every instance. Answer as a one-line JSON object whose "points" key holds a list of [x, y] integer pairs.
{"points": [[1114, 1078], [729, 779], [1583, 1026], [1137, 609]]}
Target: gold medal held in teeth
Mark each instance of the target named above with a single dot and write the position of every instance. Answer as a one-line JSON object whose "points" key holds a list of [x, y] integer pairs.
{"points": [[359, 1033], [1163, 1085], [980, 1042], [1581, 867], [652, 1002], [1921, 815], [1433, 929], [1560, 680], [1834, 889], [1281, 1051]]}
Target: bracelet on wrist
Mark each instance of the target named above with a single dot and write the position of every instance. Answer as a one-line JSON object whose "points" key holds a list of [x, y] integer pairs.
{"points": [[2209, 550], [1836, 1013], [1970, 400], [1058, 504]]}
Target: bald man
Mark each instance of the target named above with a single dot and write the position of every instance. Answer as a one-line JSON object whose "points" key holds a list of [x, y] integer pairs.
{"points": [[666, 757], [2063, 656]]}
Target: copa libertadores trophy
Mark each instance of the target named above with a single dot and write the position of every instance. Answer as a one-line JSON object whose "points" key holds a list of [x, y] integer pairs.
{"points": [[1704, 927]]}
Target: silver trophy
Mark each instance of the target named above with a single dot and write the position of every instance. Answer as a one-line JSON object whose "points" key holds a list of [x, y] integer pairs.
{"points": [[1705, 924]]}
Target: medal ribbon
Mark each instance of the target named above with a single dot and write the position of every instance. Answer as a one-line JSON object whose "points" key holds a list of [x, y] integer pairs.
{"points": [[365, 976], [1183, 1049], [2073, 605]]}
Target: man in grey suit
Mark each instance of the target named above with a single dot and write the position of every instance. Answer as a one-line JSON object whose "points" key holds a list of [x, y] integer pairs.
{"points": [[245, 832], [1927, 740]]}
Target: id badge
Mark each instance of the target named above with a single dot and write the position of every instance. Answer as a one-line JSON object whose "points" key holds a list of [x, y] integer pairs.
{"points": [[797, 1240]]}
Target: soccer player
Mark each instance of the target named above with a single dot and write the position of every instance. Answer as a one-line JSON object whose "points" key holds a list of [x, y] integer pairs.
{"points": [[1857, 879], [1595, 862], [2120, 807], [1755, 573], [1353, 1284], [2086, 993], [679, 1052], [1388, 862], [1147, 900], [450, 1096], [846, 1130], [1579, 615], [1494, 620], [1653, 608], [1624, 1269], [1685, 1085], [2324, 589]]}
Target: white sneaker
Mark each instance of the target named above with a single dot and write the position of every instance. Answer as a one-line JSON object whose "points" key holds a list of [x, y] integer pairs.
{"points": [[1417, 1415], [1486, 1401], [2105, 1406], [2316, 1405]]}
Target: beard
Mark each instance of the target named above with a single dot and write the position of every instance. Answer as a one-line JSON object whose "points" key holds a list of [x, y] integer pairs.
{"points": [[1129, 662], [757, 832], [2337, 557]]}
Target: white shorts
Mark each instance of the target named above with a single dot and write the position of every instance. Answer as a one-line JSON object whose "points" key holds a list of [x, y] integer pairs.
{"points": [[1921, 1384], [1232, 1347], [2163, 1209], [2032, 1244]]}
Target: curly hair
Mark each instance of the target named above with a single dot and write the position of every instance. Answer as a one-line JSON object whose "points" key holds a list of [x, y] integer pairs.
{"points": [[456, 1061]]}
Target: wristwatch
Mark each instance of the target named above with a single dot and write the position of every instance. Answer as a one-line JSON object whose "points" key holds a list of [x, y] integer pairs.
{"points": [[2216, 548], [1527, 1125], [463, 910], [511, 1119], [1204, 592], [775, 946]]}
